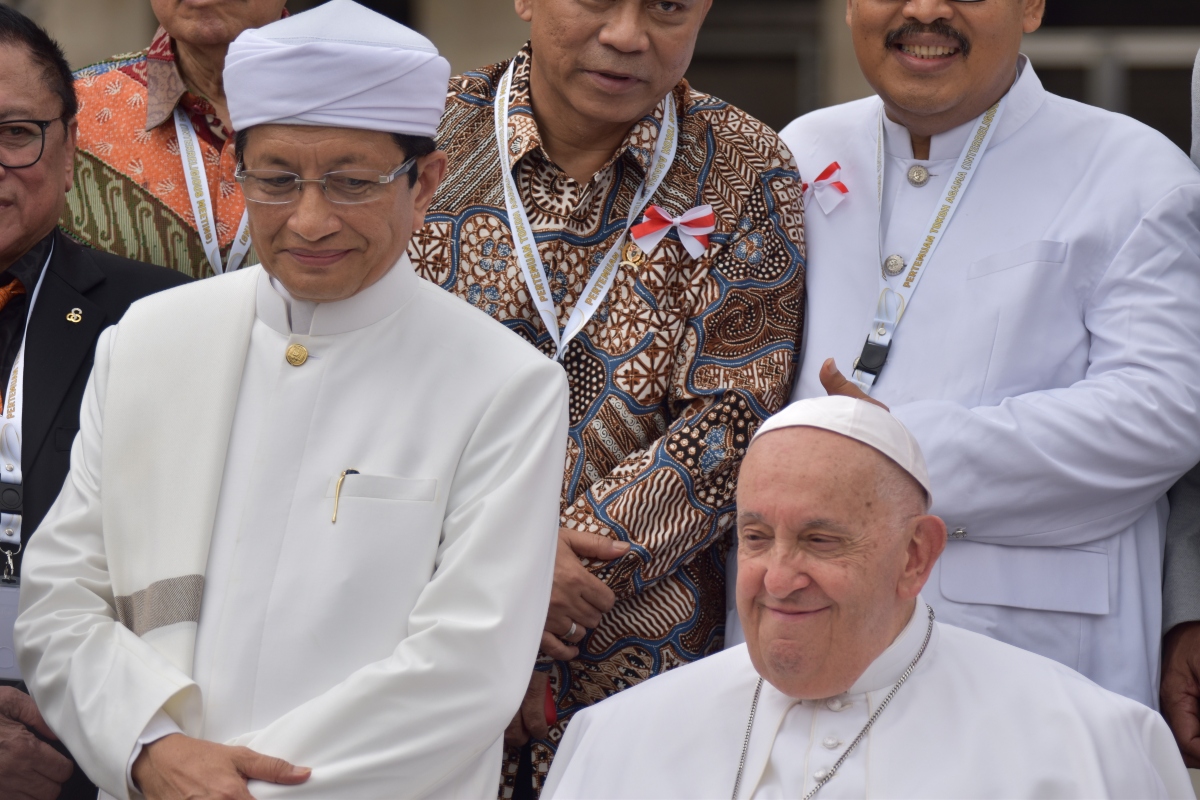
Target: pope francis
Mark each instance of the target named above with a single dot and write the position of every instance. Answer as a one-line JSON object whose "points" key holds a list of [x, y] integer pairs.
{"points": [[846, 686], [306, 545]]}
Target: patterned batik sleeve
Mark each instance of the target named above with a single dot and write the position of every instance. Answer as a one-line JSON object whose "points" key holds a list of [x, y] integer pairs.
{"points": [[732, 369]]}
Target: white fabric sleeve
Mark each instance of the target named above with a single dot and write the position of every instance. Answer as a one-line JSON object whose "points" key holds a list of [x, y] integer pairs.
{"points": [[448, 690], [96, 683], [160, 726], [1080, 463]]}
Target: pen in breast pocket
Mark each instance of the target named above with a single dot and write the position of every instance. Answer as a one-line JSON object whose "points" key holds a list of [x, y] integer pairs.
{"points": [[337, 492]]}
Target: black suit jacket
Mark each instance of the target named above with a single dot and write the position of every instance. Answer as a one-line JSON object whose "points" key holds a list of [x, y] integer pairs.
{"points": [[95, 288]]}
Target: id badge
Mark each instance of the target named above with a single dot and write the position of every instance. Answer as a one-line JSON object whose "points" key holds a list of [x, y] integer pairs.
{"points": [[10, 594]]}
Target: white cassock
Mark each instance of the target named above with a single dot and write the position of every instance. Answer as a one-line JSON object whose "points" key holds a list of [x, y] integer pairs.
{"points": [[388, 650], [1048, 364], [976, 719]]}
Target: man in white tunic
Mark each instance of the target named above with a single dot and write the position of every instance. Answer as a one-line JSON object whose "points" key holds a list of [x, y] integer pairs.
{"points": [[1017, 276], [309, 531], [846, 686]]}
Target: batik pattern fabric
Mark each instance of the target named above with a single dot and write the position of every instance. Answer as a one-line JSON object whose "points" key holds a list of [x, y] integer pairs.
{"points": [[670, 378], [130, 196]]}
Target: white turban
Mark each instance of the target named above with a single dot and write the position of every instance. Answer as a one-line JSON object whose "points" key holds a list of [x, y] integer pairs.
{"points": [[339, 65], [859, 420]]}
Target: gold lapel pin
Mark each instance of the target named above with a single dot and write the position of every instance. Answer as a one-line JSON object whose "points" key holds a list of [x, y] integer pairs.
{"points": [[76, 315], [337, 492]]}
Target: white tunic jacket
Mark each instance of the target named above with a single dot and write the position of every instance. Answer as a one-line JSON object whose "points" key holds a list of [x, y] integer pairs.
{"points": [[1049, 363], [976, 719], [388, 650]]}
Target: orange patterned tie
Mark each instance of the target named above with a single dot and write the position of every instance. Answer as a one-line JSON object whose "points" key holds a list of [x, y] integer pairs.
{"points": [[10, 290]]}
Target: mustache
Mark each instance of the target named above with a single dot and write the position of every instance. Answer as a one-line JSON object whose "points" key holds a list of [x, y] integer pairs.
{"points": [[939, 27]]}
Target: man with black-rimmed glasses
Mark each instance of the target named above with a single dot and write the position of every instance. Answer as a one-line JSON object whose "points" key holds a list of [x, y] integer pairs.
{"points": [[55, 299]]}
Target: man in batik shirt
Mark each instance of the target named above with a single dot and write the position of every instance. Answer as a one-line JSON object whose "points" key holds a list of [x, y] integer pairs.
{"points": [[682, 357], [137, 192]]}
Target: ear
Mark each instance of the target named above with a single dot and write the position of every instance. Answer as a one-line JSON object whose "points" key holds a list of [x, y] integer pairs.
{"points": [[72, 141], [1032, 18], [927, 540], [524, 9], [432, 169]]}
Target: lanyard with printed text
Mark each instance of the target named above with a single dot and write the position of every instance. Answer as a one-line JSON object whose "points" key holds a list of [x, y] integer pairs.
{"points": [[526, 246], [896, 290], [10, 438], [202, 205]]}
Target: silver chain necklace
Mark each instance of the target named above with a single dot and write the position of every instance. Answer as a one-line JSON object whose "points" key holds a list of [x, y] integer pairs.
{"points": [[737, 785]]}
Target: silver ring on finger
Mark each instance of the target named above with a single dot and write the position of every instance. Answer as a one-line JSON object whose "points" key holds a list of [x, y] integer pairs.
{"points": [[571, 632]]}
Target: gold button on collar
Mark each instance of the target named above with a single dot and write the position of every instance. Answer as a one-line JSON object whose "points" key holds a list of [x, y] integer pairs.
{"points": [[296, 354]]}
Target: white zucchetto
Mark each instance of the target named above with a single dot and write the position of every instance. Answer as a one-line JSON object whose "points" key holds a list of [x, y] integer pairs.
{"points": [[858, 420], [339, 65]]}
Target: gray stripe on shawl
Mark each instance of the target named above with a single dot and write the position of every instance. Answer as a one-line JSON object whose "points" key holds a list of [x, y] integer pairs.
{"points": [[162, 603]]}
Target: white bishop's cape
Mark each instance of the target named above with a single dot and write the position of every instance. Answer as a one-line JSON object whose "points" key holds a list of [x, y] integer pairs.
{"points": [[976, 719], [191, 569]]}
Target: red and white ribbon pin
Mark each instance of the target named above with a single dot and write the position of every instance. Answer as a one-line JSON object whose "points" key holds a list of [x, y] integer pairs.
{"points": [[694, 226], [829, 191]]}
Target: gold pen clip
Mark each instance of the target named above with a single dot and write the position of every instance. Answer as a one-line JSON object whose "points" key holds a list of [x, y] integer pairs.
{"points": [[337, 492]]}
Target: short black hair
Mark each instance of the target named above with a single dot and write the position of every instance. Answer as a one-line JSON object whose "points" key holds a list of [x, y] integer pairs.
{"points": [[16, 28], [413, 147]]}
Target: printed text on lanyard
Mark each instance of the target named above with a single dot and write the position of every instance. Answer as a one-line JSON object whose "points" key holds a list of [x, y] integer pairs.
{"points": [[202, 204], [10, 445], [526, 246], [899, 285]]}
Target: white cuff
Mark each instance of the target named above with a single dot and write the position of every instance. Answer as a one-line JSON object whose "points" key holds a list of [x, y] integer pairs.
{"points": [[159, 726]]}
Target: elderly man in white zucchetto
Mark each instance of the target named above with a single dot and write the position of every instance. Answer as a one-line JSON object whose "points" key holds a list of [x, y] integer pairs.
{"points": [[846, 686]]}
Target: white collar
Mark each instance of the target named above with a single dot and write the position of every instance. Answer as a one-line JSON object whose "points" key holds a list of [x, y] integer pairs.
{"points": [[289, 316], [1024, 98]]}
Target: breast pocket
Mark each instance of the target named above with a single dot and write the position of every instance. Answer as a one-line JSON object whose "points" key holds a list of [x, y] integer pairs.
{"points": [[1043, 251], [383, 487]]}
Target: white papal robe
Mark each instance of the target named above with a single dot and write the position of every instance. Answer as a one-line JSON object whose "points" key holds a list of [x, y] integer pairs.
{"points": [[976, 719], [1048, 363], [387, 650]]}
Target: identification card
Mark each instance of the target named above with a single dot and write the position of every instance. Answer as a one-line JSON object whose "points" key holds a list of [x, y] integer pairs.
{"points": [[10, 594]]}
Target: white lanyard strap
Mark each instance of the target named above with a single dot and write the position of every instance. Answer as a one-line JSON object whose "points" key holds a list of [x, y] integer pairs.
{"points": [[527, 254], [10, 433], [896, 291], [202, 205]]}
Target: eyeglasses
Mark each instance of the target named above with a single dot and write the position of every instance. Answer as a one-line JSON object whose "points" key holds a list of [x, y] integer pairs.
{"points": [[22, 141], [345, 187]]}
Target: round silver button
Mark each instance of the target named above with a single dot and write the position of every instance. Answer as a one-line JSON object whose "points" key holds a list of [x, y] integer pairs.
{"points": [[959, 533], [820, 774], [882, 331], [9, 467], [830, 742], [918, 176], [834, 704], [893, 265], [9, 532]]}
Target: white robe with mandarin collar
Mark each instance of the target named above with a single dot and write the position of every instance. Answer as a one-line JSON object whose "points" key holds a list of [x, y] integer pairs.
{"points": [[1048, 364], [976, 719], [388, 650]]}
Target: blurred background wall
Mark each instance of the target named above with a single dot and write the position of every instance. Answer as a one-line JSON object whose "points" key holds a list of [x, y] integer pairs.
{"points": [[775, 58]]}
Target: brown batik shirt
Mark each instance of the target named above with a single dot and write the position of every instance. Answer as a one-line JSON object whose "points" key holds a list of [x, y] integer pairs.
{"points": [[679, 366]]}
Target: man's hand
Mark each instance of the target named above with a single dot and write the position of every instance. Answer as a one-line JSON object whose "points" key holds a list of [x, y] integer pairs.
{"points": [[1179, 694], [578, 596], [530, 721], [30, 769], [836, 383], [178, 767]]}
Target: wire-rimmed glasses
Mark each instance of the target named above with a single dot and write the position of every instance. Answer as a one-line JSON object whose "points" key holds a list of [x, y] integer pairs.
{"points": [[344, 187], [23, 141]]}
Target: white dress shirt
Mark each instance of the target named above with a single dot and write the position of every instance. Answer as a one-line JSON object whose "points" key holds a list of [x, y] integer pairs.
{"points": [[1048, 363]]}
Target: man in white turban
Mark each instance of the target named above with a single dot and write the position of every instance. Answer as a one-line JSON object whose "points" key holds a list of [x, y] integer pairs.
{"points": [[309, 530], [846, 686]]}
